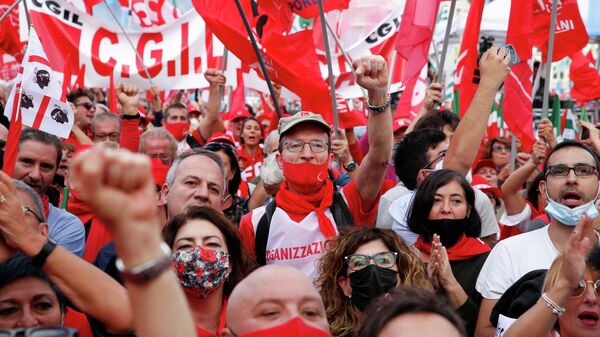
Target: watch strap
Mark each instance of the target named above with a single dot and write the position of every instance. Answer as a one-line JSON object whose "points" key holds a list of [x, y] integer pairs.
{"points": [[40, 259], [131, 117], [148, 270]]}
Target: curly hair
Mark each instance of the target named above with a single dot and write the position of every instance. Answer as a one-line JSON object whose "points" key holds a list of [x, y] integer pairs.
{"points": [[341, 314]]}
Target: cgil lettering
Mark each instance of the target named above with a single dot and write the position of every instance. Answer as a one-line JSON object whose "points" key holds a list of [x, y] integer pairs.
{"points": [[294, 253], [56, 9], [383, 30]]}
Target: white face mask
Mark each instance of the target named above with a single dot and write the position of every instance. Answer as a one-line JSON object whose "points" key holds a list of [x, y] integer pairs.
{"points": [[571, 216]]}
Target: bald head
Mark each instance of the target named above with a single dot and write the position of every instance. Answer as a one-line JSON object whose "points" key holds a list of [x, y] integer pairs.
{"points": [[271, 296]]}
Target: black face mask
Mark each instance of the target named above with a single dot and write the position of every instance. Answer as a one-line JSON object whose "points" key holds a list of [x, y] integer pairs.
{"points": [[449, 230], [369, 283]]}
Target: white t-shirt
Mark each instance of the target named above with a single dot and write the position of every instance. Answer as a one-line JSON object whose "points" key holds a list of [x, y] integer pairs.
{"points": [[512, 258], [399, 209]]}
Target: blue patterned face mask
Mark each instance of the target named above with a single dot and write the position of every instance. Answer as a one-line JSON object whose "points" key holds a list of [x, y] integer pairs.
{"points": [[201, 271], [570, 216]]}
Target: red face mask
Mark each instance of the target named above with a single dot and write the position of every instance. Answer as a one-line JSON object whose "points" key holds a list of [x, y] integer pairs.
{"points": [[293, 328], [306, 177], [178, 130]]}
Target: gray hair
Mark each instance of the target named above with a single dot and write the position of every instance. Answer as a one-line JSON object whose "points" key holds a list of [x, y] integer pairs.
{"points": [[270, 172], [105, 116], [155, 133], [270, 137], [33, 195], [196, 152]]}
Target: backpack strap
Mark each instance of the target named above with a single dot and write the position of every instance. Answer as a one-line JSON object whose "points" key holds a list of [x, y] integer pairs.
{"points": [[340, 211], [262, 233]]}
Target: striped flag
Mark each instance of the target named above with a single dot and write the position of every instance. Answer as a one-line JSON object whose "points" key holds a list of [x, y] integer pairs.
{"points": [[555, 117], [43, 103], [569, 123]]}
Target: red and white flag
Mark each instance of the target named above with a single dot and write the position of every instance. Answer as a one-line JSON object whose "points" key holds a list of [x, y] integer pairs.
{"points": [[467, 80], [413, 97], [416, 31], [152, 13], [517, 105], [9, 31], [43, 102], [570, 34]]}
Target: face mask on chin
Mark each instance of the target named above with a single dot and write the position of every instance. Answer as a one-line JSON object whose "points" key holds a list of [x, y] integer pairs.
{"points": [[306, 177], [570, 216], [295, 327]]}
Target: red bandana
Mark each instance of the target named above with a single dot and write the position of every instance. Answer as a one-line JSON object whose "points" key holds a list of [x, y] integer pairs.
{"points": [[464, 249]]}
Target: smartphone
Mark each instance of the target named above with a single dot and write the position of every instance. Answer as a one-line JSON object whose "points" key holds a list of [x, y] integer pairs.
{"points": [[585, 134]]}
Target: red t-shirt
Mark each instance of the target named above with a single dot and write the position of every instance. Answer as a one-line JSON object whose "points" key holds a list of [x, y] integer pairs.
{"points": [[250, 165], [222, 323]]}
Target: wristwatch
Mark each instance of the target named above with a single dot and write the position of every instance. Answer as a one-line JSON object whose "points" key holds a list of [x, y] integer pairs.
{"points": [[351, 166], [41, 257], [148, 270], [379, 109], [131, 117]]}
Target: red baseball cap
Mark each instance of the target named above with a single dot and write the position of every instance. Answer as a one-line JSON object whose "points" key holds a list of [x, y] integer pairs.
{"points": [[222, 137], [401, 123], [240, 113], [483, 185], [484, 163]]}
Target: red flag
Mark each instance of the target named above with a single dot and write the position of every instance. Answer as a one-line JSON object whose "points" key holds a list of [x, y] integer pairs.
{"points": [[570, 34], [290, 59], [349, 118], [9, 31], [413, 97], [304, 8], [467, 73], [151, 13], [416, 31], [112, 95], [585, 77], [517, 103], [12, 140]]}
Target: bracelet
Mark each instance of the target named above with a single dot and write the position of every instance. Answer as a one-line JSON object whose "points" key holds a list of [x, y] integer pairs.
{"points": [[556, 309], [381, 108], [148, 270], [131, 117]]}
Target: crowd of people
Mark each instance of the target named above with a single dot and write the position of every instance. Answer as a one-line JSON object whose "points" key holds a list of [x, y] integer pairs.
{"points": [[175, 219]]}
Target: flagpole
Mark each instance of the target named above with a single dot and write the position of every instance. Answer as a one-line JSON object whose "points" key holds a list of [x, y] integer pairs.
{"points": [[223, 69], [436, 53], [549, 59], [536, 81], [261, 62], [139, 57], [329, 67], [10, 9], [446, 41], [513, 153], [27, 15], [344, 53]]}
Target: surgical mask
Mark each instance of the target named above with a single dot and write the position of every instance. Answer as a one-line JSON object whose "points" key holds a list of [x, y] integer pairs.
{"points": [[295, 327], [369, 283], [570, 216], [200, 271], [449, 230]]}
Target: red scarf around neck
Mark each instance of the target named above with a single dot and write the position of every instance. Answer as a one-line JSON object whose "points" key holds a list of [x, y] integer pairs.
{"points": [[464, 249], [293, 203]]}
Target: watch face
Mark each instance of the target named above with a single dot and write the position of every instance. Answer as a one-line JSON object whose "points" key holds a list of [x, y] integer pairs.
{"points": [[350, 167]]}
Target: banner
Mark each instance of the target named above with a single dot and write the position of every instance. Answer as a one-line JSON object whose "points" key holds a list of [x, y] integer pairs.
{"points": [[176, 54]]}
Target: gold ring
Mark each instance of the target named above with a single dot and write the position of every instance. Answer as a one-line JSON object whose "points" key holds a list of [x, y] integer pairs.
{"points": [[2, 198]]}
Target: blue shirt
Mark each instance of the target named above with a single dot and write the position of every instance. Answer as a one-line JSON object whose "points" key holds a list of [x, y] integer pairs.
{"points": [[66, 229]]}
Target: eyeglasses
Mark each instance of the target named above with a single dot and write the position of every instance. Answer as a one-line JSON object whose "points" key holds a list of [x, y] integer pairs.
{"points": [[40, 332], [38, 217], [439, 157], [360, 261], [86, 105], [161, 156], [296, 146], [581, 170], [500, 148], [582, 285]]}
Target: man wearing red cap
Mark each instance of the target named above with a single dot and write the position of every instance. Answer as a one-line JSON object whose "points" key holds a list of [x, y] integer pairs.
{"points": [[302, 218]]}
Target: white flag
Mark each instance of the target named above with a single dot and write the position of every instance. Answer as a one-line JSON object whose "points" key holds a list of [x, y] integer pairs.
{"points": [[43, 104]]}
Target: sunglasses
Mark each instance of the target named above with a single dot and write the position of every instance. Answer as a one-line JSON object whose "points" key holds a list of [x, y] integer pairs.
{"points": [[86, 105], [582, 285], [40, 332]]}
